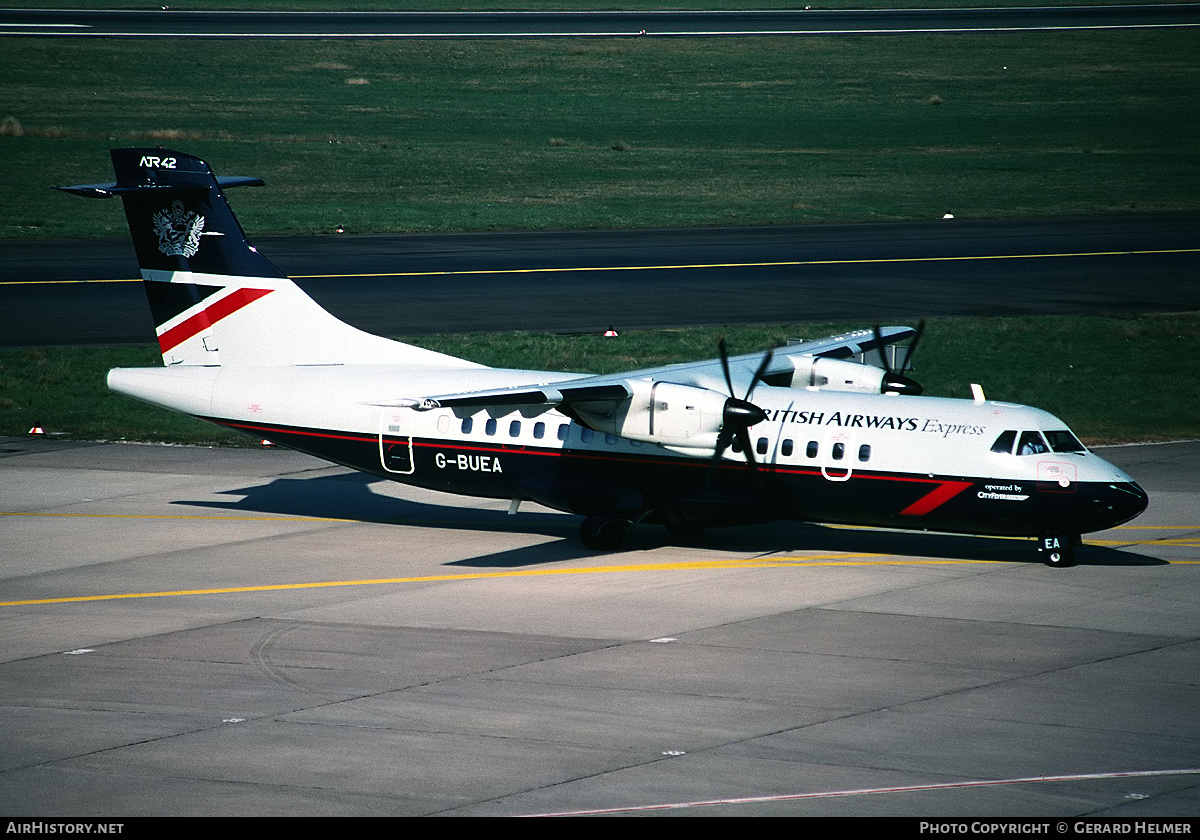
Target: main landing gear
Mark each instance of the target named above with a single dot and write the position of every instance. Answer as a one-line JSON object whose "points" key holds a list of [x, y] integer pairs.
{"points": [[604, 533], [685, 533], [1059, 550], [601, 532]]}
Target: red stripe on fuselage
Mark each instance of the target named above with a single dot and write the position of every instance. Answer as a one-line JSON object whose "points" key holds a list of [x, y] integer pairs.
{"points": [[292, 430], [942, 493], [935, 498], [205, 318]]}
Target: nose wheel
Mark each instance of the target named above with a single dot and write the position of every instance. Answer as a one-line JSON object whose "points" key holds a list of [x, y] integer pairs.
{"points": [[1058, 550]]}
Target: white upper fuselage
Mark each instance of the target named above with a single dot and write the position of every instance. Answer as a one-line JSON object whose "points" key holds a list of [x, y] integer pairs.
{"points": [[901, 434]]}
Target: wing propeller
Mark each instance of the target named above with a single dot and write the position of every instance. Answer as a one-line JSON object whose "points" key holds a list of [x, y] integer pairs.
{"points": [[894, 380], [739, 414]]}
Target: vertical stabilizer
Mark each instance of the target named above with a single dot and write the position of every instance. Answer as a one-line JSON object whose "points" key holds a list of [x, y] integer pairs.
{"points": [[215, 299]]}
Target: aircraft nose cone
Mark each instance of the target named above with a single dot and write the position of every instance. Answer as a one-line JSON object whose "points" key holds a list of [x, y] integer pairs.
{"points": [[1136, 499], [1119, 503]]}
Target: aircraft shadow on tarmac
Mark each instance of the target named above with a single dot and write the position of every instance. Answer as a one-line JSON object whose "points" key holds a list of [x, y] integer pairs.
{"points": [[349, 496]]}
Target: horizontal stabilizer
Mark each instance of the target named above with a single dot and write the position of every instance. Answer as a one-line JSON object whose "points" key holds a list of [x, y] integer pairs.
{"points": [[113, 188]]}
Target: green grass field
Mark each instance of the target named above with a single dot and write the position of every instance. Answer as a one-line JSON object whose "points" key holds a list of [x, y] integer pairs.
{"points": [[466, 135], [1111, 379], [552, 133]]}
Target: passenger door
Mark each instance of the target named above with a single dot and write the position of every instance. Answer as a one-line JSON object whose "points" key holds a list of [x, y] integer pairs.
{"points": [[395, 441]]}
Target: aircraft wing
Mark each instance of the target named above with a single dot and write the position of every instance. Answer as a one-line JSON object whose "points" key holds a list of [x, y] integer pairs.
{"points": [[617, 387], [846, 344], [573, 390]]}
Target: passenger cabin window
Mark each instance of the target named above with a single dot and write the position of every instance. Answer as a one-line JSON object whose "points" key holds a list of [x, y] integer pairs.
{"points": [[564, 429], [489, 428], [839, 451], [539, 430], [586, 434], [761, 446], [610, 439], [811, 451], [444, 424], [514, 428], [1031, 444], [467, 424], [1064, 441], [864, 452], [786, 448], [1004, 443]]}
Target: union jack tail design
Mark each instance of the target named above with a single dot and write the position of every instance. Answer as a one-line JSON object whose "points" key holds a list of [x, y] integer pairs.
{"points": [[215, 299]]}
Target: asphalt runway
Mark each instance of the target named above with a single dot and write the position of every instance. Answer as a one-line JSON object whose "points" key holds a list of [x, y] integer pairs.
{"points": [[199, 631], [167, 22], [580, 281]]}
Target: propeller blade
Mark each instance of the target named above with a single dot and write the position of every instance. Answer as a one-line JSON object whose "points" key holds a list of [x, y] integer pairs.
{"points": [[882, 348], [739, 414], [724, 354], [758, 374], [748, 449], [912, 346], [724, 440]]}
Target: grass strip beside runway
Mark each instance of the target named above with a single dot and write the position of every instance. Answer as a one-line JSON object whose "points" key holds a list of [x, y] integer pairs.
{"points": [[1112, 379]]}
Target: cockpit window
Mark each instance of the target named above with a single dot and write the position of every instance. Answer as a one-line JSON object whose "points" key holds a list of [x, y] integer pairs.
{"points": [[1031, 444], [1005, 442], [1064, 441]]}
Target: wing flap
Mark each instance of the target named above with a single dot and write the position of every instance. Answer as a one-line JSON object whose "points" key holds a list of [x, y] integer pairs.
{"points": [[546, 395]]}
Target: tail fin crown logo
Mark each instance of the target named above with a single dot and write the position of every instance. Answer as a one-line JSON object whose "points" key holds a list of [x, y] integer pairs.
{"points": [[179, 230]]}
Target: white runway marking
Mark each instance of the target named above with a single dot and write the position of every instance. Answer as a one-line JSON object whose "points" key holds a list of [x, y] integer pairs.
{"points": [[792, 797]]}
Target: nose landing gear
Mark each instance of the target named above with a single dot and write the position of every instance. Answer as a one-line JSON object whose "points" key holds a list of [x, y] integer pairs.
{"points": [[1058, 550]]}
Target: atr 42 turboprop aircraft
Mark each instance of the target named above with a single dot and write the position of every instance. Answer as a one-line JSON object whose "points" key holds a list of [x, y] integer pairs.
{"points": [[825, 439]]}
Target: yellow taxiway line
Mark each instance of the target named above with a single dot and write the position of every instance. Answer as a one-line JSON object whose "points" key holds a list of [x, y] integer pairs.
{"points": [[731, 563], [831, 560], [784, 263], [752, 563]]}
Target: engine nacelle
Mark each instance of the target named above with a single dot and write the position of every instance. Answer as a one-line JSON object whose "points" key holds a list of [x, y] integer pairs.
{"points": [[836, 375], [665, 413]]}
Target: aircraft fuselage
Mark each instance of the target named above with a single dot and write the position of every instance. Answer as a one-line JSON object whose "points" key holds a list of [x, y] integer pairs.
{"points": [[892, 461]]}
